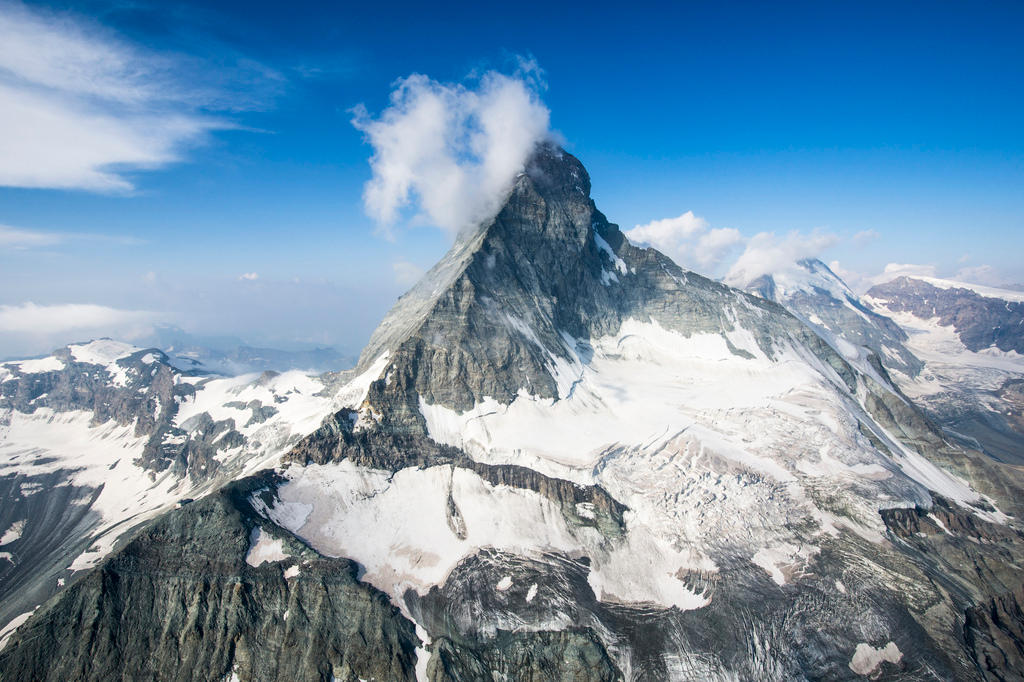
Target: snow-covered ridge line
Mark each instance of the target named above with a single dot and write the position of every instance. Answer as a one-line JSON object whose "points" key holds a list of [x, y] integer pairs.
{"points": [[980, 289]]}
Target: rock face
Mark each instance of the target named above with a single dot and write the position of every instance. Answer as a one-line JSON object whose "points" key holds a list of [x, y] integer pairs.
{"points": [[563, 457], [182, 601]]}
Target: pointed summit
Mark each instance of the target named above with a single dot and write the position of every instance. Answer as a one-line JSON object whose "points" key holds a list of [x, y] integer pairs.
{"points": [[512, 309]]}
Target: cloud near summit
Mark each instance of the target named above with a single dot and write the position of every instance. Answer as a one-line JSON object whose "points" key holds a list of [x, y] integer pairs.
{"points": [[446, 154]]}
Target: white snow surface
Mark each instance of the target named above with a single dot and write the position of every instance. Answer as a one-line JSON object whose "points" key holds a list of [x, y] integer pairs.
{"points": [[264, 549], [619, 264], [980, 289], [98, 455], [101, 351], [47, 364], [14, 532], [9, 629], [866, 659], [412, 543], [712, 453]]}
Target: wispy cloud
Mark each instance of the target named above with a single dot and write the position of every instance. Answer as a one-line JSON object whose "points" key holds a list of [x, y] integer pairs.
{"points": [[894, 270], [864, 237], [82, 106], [16, 238], [249, 276], [22, 238], [450, 151]]}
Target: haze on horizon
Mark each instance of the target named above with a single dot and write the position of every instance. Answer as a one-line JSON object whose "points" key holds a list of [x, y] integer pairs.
{"points": [[232, 171]]}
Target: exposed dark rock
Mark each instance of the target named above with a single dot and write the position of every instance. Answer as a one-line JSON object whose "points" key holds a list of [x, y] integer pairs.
{"points": [[995, 633], [569, 655], [179, 602]]}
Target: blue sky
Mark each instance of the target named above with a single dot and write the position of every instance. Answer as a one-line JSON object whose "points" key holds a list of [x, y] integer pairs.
{"points": [[164, 152]]}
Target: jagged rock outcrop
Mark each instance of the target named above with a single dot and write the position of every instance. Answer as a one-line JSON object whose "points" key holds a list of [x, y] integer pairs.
{"points": [[181, 602], [995, 633], [567, 655]]}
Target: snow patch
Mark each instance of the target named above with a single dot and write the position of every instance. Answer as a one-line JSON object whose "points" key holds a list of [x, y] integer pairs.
{"points": [[422, 654], [264, 548], [504, 584], [47, 364], [981, 290], [15, 623], [866, 659], [14, 532], [620, 264], [412, 544], [101, 352]]}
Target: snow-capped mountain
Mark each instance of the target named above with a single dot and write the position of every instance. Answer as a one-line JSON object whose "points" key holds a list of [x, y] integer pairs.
{"points": [[972, 339], [101, 436], [563, 457], [812, 292]]}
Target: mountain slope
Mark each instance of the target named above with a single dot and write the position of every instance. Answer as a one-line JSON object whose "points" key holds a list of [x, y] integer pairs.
{"points": [[99, 437], [563, 450], [811, 291]]}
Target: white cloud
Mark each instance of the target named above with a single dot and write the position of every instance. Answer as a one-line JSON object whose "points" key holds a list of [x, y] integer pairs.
{"points": [[30, 329], [857, 281], [249, 276], [17, 238], [980, 274], [714, 245], [894, 270], [448, 151], [767, 253], [29, 318], [668, 234], [406, 274], [688, 241], [81, 106]]}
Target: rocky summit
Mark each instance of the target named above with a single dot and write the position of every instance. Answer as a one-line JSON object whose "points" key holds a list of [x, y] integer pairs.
{"points": [[560, 457]]}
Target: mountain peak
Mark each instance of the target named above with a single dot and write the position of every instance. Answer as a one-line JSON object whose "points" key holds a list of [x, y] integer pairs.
{"points": [[555, 171], [514, 305]]}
